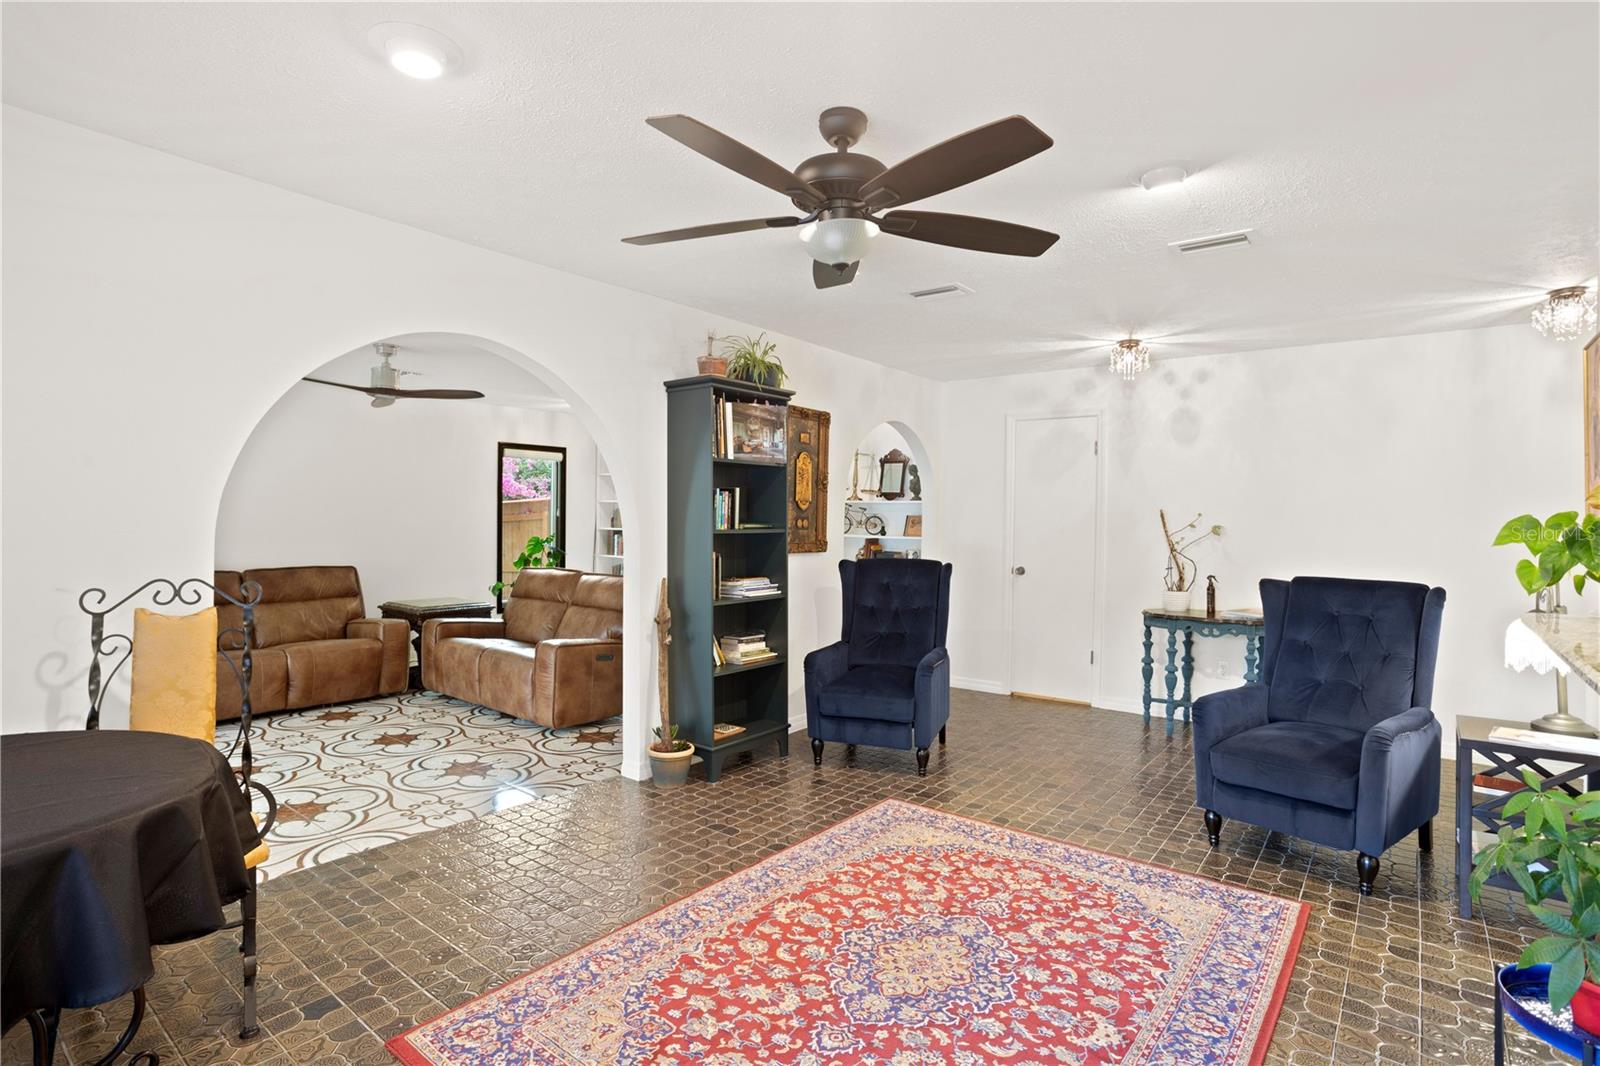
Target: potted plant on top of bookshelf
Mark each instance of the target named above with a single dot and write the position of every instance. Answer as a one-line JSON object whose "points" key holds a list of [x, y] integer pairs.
{"points": [[669, 756], [711, 363], [1554, 853], [753, 359]]}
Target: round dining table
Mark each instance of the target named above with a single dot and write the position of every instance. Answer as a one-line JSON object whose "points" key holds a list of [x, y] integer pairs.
{"points": [[111, 842]]}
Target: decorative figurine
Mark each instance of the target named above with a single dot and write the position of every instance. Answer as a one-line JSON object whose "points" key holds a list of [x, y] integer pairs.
{"points": [[916, 483], [1211, 596]]}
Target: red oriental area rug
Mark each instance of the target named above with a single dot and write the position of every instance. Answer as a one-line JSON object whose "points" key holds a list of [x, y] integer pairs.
{"points": [[906, 936]]}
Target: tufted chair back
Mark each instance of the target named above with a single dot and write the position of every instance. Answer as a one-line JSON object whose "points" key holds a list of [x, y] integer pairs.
{"points": [[895, 610], [1348, 653]]}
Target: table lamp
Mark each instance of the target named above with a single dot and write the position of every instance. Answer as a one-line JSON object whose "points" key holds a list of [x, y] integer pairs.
{"points": [[1525, 651]]}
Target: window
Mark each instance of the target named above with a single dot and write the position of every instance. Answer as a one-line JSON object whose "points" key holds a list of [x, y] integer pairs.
{"points": [[531, 494]]}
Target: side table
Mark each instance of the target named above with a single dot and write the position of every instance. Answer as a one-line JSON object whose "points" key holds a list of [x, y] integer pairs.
{"points": [[1579, 771], [417, 612], [1191, 624]]}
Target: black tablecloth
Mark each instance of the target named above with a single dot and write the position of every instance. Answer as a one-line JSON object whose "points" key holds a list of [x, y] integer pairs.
{"points": [[110, 841]]}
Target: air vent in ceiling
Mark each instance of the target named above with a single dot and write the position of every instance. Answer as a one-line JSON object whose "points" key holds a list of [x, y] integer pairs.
{"points": [[1212, 243], [942, 292]]}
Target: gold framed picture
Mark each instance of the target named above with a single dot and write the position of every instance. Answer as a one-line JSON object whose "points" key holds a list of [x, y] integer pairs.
{"points": [[807, 433], [913, 525]]}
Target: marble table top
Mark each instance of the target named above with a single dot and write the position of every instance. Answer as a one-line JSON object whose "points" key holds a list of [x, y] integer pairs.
{"points": [[1225, 618], [1574, 638]]}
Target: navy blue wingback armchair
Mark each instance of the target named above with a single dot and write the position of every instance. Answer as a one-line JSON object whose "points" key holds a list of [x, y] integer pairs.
{"points": [[887, 680], [1337, 742]]}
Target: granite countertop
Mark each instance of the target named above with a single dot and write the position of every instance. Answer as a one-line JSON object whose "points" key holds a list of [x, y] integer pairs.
{"points": [[1574, 638]]}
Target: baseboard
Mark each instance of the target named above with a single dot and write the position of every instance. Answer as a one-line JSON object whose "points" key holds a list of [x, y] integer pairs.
{"points": [[974, 684], [1134, 706]]}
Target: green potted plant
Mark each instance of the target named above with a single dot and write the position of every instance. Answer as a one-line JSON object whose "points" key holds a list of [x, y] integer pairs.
{"points": [[1178, 581], [1550, 846], [752, 359], [1560, 545], [539, 553], [710, 363]]}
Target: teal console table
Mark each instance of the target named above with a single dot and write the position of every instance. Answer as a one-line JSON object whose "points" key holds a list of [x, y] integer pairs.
{"points": [[1193, 624]]}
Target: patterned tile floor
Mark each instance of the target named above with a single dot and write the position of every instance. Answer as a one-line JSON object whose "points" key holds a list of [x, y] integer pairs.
{"points": [[361, 775], [362, 947]]}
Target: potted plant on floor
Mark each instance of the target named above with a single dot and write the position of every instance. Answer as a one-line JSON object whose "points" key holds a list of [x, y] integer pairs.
{"points": [[1179, 577], [1553, 853], [753, 359], [669, 756]]}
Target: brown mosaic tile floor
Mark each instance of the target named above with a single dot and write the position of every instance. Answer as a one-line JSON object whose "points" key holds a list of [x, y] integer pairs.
{"points": [[361, 948]]}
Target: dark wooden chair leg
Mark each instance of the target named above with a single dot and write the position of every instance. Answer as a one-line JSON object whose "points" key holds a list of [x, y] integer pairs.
{"points": [[43, 1025], [1366, 871], [816, 752], [1213, 828], [941, 733], [922, 762], [1425, 836], [247, 948]]}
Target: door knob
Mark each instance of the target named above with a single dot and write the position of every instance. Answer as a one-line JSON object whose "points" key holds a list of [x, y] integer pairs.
{"points": [[1019, 570]]}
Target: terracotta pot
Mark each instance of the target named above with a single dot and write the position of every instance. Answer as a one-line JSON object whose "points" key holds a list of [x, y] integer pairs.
{"points": [[1586, 1007], [1175, 601], [712, 364], [669, 769]]}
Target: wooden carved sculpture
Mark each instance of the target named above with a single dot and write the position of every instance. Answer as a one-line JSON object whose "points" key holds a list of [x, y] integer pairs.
{"points": [[663, 638]]}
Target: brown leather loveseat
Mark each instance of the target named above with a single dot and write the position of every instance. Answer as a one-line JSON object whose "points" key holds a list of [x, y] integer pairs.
{"points": [[555, 660], [312, 644]]}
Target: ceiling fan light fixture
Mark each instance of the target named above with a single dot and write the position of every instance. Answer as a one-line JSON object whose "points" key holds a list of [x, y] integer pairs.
{"points": [[838, 241], [415, 51], [1130, 358], [1566, 314]]}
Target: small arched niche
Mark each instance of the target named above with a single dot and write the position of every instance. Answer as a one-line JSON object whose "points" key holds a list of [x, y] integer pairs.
{"points": [[886, 501]]}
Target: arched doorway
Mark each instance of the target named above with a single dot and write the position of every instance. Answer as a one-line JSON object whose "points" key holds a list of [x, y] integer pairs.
{"points": [[888, 502], [413, 495]]}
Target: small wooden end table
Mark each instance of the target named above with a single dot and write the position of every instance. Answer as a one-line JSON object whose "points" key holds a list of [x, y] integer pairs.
{"points": [[1191, 624], [417, 612]]}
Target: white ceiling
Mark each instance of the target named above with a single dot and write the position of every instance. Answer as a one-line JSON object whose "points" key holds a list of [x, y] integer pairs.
{"points": [[445, 361], [1404, 168]]}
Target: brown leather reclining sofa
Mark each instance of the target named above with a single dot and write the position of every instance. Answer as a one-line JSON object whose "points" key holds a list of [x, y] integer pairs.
{"points": [[312, 645], [555, 659]]}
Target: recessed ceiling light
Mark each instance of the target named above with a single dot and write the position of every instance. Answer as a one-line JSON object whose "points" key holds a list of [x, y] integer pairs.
{"points": [[415, 51], [1167, 177]]}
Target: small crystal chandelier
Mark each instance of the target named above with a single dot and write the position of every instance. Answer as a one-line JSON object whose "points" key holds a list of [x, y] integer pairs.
{"points": [[1129, 358], [1566, 314]]}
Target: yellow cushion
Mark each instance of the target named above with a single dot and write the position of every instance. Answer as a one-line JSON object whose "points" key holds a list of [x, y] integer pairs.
{"points": [[175, 674]]}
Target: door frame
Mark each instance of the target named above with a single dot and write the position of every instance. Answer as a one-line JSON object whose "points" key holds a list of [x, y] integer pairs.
{"points": [[1097, 636], [559, 527]]}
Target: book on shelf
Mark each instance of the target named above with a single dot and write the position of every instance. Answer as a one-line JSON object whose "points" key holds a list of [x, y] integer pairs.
{"points": [[746, 649], [752, 430], [727, 509], [746, 587]]}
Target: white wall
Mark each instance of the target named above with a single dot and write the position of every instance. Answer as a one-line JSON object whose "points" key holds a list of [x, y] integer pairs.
{"points": [[404, 493], [1396, 458], [156, 309]]}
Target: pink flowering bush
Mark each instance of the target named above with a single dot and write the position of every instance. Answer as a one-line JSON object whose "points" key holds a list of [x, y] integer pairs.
{"points": [[525, 479]]}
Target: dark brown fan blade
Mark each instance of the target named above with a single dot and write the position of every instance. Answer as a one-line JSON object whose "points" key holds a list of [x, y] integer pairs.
{"points": [[953, 163], [429, 394], [720, 148], [826, 276], [716, 229], [400, 394], [967, 231]]}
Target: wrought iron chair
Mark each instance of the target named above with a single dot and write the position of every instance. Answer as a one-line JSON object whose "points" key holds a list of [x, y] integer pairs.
{"points": [[116, 649]]}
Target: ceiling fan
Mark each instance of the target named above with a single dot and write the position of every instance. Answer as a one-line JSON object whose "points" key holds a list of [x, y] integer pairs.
{"points": [[384, 378], [842, 192]]}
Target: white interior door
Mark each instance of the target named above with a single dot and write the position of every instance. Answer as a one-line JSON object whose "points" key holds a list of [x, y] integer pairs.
{"points": [[1054, 524]]}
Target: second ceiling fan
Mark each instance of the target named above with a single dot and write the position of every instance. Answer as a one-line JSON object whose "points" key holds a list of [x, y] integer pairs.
{"points": [[842, 193]]}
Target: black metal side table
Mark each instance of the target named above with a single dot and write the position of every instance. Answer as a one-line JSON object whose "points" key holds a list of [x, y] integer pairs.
{"points": [[1574, 771]]}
